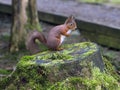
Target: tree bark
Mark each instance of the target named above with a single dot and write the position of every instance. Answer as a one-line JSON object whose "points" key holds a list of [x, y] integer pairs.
{"points": [[25, 18]]}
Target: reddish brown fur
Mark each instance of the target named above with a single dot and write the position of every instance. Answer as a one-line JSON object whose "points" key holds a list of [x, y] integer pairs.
{"points": [[53, 40], [54, 36]]}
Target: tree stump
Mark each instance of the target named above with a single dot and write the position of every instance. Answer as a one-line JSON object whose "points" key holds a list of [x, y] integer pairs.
{"points": [[49, 67], [69, 62]]}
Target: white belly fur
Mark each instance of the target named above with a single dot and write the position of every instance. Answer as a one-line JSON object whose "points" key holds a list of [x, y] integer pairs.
{"points": [[63, 37]]}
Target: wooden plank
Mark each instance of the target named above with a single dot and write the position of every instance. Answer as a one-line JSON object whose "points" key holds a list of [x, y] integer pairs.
{"points": [[54, 15], [102, 39], [52, 18], [82, 25], [5, 8], [97, 28]]}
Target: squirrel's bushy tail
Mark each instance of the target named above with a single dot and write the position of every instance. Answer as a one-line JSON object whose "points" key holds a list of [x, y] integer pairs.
{"points": [[31, 44]]}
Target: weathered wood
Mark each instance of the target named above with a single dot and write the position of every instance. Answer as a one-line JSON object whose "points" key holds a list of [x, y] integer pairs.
{"points": [[106, 23], [5, 8], [101, 38]]}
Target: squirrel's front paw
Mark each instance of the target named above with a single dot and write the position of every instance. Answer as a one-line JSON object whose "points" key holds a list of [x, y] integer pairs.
{"points": [[67, 35], [59, 49]]}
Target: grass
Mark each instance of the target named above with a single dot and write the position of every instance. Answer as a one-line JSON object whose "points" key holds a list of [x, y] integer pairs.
{"points": [[4, 71]]}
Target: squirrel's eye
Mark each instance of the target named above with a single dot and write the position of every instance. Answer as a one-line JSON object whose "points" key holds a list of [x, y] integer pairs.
{"points": [[71, 24]]}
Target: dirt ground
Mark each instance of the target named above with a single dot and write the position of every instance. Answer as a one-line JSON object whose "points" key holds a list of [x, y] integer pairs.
{"points": [[8, 62]]}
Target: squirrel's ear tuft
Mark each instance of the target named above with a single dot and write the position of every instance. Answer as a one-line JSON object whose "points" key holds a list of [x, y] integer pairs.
{"points": [[69, 19]]}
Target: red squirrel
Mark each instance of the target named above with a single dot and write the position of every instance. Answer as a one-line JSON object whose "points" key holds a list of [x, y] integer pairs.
{"points": [[55, 37]]}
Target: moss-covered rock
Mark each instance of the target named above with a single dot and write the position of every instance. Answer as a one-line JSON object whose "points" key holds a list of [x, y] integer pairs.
{"points": [[57, 65], [44, 69]]}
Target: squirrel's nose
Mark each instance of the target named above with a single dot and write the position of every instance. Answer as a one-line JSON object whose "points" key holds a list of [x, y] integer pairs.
{"points": [[76, 28]]}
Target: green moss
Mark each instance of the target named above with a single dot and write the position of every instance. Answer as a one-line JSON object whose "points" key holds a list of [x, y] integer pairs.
{"points": [[13, 56], [44, 70], [5, 82], [30, 26], [110, 69], [56, 56], [88, 53], [3, 71], [80, 45], [35, 27], [110, 55], [68, 50], [30, 75], [26, 61], [98, 81], [4, 38], [12, 87]]}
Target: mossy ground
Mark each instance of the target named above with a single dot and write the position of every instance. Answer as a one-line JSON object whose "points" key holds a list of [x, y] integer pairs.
{"points": [[108, 79], [5, 72], [30, 75], [98, 81]]}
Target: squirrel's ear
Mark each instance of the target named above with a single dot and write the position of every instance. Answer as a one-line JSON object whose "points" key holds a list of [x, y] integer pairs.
{"points": [[69, 19]]}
